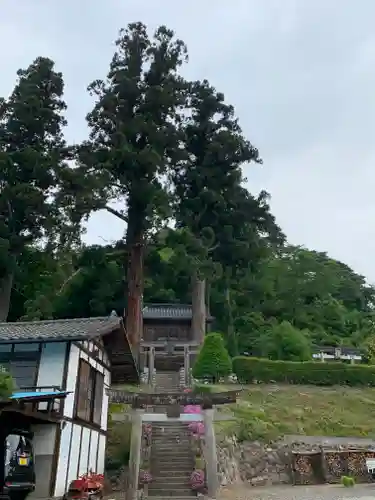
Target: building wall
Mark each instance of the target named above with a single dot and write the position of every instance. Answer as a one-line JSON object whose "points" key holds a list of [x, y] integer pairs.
{"points": [[44, 448], [162, 330], [82, 445]]}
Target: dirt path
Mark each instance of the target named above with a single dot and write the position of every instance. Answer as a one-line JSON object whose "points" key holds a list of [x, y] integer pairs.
{"points": [[323, 492]]}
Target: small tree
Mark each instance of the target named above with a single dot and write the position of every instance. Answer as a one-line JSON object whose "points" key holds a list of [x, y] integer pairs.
{"points": [[213, 359]]}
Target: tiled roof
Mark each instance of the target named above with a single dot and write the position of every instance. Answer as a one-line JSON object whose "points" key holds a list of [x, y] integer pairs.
{"points": [[60, 329], [167, 311]]}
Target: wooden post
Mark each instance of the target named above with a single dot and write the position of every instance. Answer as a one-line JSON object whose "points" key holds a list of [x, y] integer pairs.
{"points": [[151, 364], [135, 453], [210, 454], [187, 365]]}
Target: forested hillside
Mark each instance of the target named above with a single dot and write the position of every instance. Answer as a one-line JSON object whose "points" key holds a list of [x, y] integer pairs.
{"points": [[324, 299], [170, 153]]}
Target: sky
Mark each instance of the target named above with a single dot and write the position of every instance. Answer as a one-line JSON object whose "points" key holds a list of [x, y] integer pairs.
{"points": [[300, 73]]}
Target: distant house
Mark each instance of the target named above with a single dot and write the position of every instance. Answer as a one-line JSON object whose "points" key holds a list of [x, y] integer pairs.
{"points": [[80, 357], [348, 354]]}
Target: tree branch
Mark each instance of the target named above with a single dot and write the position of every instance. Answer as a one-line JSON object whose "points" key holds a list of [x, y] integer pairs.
{"points": [[115, 212]]}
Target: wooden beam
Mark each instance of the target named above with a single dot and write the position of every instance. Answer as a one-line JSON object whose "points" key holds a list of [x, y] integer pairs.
{"points": [[139, 400]]}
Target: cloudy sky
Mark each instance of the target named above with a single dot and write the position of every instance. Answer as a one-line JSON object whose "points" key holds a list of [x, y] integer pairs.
{"points": [[301, 74]]}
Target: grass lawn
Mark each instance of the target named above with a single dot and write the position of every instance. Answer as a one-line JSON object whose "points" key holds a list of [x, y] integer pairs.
{"points": [[270, 411]]}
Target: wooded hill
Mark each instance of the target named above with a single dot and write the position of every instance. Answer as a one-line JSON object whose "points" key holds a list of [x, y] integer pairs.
{"points": [[327, 303], [170, 153]]}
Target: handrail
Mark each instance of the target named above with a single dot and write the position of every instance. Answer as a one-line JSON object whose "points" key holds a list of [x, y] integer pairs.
{"points": [[37, 388]]}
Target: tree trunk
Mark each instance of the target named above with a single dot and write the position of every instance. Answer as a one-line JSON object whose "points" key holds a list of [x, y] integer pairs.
{"points": [[198, 322], [133, 310], [231, 334], [6, 284]]}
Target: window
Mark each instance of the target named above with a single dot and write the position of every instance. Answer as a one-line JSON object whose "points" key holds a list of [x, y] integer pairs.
{"points": [[23, 366], [90, 386]]}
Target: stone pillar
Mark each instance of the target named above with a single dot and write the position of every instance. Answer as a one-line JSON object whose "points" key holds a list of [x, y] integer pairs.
{"points": [[151, 364], [187, 365], [135, 453], [210, 454]]}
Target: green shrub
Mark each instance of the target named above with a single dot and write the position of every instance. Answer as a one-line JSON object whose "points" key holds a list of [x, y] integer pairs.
{"points": [[213, 360], [347, 481], [118, 444], [7, 385], [250, 369], [285, 342], [202, 388]]}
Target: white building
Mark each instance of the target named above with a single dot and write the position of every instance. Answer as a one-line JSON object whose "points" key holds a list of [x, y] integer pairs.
{"points": [[82, 357]]}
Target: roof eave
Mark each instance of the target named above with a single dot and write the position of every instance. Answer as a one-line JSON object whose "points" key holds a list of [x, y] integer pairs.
{"points": [[104, 330]]}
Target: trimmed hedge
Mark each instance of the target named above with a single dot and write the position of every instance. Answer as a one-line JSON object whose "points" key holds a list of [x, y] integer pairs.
{"points": [[249, 370]]}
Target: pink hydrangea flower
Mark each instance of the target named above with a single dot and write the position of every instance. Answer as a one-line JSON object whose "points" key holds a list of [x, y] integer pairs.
{"points": [[197, 479], [145, 477]]}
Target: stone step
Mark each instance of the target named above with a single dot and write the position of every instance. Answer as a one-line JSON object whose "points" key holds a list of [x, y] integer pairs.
{"points": [[175, 497], [171, 444], [171, 481], [170, 436], [168, 453], [161, 490], [170, 427], [176, 488], [188, 497], [180, 466], [166, 423], [179, 461], [168, 474]]}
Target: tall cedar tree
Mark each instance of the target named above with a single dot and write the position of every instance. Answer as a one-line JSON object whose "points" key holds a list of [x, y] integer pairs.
{"points": [[133, 140], [245, 236], [32, 150], [208, 179]]}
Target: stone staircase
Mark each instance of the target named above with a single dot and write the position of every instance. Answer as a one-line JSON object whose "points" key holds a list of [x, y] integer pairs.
{"points": [[172, 460], [167, 382]]}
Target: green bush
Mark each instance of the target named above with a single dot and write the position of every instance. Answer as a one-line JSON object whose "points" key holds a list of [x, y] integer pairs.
{"points": [[347, 481], [213, 360], [249, 370], [285, 342], [202, 388], [7, 385]]}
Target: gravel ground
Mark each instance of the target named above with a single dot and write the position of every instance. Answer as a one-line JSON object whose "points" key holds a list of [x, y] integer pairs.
{"points": [[323, 492]]}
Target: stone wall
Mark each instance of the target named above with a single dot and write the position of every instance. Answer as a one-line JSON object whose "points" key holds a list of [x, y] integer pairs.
{"points": [[253, 462], [295, 460]]}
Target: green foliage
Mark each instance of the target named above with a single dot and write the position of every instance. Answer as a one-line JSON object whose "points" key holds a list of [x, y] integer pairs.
{"points": [[159, 147], [118, 445], [348, 481], [369, 349], [249, 370], [90, 282], [202, 388], [213, 360], [6, 384], [33, 158], [285, 342]]}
